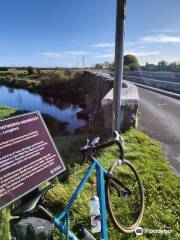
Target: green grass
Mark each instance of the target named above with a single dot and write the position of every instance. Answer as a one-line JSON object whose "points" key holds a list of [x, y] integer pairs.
{"points": [[160, 182]]}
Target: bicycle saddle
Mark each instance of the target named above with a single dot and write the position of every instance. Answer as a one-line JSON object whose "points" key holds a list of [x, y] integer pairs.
{"points": [[31, 204]]}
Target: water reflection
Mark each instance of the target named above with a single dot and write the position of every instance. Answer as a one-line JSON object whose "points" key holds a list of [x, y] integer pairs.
{"points": [[10, 90], [24, 100]]}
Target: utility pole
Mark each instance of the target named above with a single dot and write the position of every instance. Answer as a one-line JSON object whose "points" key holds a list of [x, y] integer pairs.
{"points": [[119, 55]]}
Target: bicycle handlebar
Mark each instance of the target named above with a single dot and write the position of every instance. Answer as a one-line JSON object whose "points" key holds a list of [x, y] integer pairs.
{"points": [[91, 148]]}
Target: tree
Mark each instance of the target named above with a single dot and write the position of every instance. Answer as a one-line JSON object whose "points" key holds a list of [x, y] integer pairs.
{"points": [[149, 67], [38, 71], [133, 66], [162, 65], [98, 66], [31, 70], [131, 62], [107, 64], [128, 59], [174, 67]]}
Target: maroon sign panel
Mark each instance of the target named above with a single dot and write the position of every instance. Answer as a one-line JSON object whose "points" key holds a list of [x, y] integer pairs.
{"points": [[28, 156]]}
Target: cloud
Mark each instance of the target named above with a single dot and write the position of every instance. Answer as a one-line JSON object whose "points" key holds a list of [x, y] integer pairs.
{"points": [[75, 53], [166, 30], [104, 45], [138, 54], [161, 38], [130, 44], [112, 45], [51, 55], [61, 55], [106, 56], [143, 53]]}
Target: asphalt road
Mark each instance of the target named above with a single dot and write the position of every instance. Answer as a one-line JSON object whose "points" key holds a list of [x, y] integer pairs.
{"points": [[160, 119]]}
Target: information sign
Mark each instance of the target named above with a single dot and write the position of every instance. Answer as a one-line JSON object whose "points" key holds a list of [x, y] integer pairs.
{"points": [[28, 156]]}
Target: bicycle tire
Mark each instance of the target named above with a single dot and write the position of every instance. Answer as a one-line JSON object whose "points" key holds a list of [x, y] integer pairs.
{"points": [[118, 223]]}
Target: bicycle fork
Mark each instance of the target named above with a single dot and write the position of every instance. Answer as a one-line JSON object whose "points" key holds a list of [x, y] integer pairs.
{"points": [[100, 174]]}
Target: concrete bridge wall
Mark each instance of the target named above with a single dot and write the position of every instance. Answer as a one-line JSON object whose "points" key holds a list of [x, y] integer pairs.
{"points": [[97, 87], [99, 102]]}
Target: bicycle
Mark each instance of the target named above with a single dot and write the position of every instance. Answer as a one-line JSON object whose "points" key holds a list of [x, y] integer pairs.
{"points": [[112, 185]]}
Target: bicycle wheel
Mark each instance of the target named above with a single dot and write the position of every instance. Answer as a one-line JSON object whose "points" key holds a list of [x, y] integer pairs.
{"points": [[124, 196]]}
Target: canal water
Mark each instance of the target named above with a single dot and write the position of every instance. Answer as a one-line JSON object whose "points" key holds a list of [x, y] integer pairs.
{"points": [[24, 100]]}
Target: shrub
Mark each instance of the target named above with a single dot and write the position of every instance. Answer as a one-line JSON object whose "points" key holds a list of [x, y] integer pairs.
{"points": [[31, 70], [129, 59], [4, 69]]}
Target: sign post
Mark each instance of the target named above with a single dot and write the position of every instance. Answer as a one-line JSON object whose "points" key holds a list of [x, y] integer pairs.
{"points": [[118, 74], [28, 156]]}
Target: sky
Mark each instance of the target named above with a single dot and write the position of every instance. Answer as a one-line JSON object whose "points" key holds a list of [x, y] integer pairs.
{"points": [[58, 33]]}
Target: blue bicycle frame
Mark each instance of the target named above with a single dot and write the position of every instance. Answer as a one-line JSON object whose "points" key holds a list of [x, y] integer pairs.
{"points": [[61, 221]]}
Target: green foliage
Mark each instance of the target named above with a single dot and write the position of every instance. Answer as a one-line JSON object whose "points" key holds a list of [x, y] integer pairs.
{"points": [[52, 78], [126, 67], [162, 66], [68, 85], [65, 84], [31, 70], [4, 224], [133, 66], [130, 63], [129, 59], [38, 71], [6, 112]]}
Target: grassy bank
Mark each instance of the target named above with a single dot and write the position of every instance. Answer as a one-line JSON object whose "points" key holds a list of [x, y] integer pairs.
{"points": [[160, 183], [67, 85]]}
